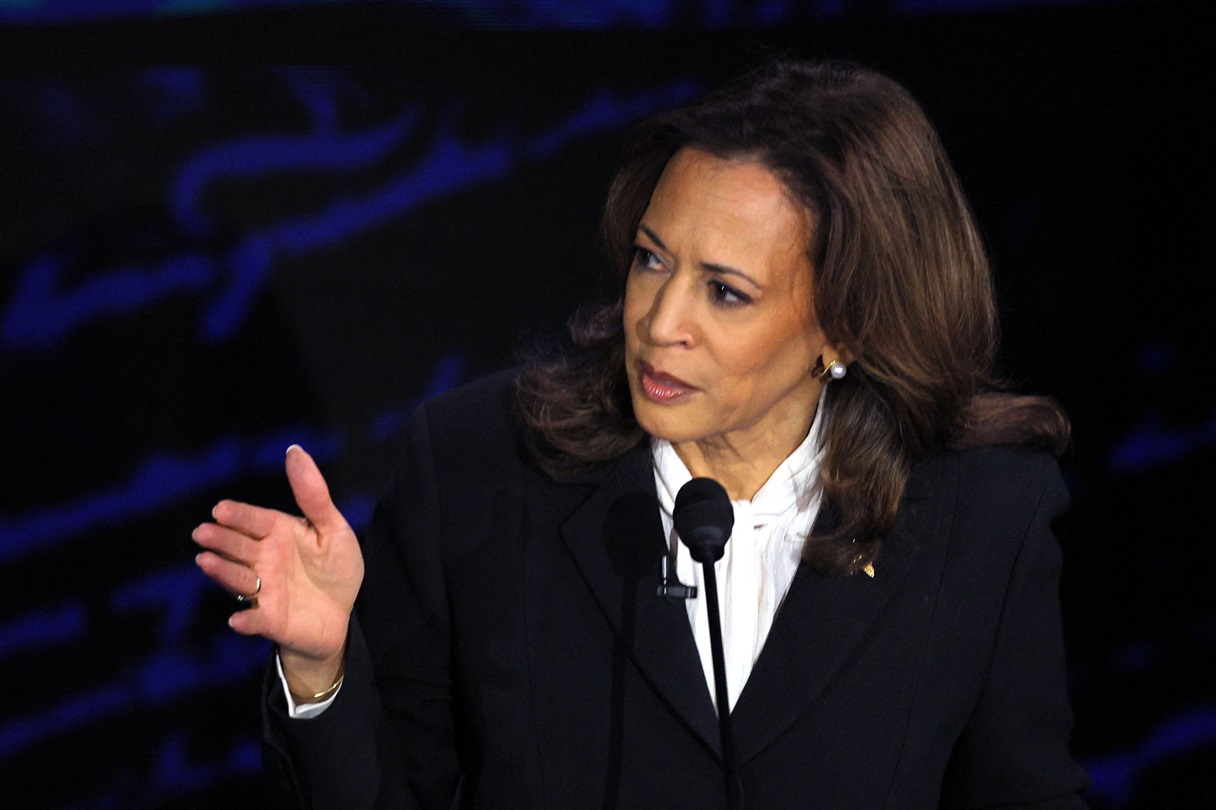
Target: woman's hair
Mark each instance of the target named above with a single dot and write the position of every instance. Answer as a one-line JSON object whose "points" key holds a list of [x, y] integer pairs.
{"points": [[902, 288]]}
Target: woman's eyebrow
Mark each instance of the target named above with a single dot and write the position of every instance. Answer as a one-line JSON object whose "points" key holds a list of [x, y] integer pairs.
{"points": [[731, 271], [654, 237], [711, 267]]}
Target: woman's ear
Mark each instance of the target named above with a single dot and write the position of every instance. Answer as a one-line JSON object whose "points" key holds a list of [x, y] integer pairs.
{"points": [[831, 364]]}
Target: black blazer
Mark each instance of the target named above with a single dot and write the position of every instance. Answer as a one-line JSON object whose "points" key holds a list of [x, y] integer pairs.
{"points": [[509, 648]]}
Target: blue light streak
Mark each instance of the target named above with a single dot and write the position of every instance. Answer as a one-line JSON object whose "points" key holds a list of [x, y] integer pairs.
{"points": [[164, 676], [44, 628], [1153, 444], [158, 482], [166, 478], [256, 157], [445, 377], [1113, 777], [175, 773], [41, 315], [176, 594], [588, 15]]}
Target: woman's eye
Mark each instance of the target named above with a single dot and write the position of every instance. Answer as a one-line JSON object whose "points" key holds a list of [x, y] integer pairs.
{"points": [[646, 259], [726, 295]]}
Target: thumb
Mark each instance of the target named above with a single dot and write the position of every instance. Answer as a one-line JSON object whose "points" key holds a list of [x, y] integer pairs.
{"points": [[311, 491]]}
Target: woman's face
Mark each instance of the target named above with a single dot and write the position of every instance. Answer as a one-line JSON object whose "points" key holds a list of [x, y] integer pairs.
{"points": [[720, 338]]}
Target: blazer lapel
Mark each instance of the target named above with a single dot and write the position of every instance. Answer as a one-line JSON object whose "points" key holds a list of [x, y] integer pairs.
{"points": [[616, 539], [821, 622]]}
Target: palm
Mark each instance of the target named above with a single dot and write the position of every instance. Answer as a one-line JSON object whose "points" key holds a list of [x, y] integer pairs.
{"points": [[320, 574], [310, 568]]}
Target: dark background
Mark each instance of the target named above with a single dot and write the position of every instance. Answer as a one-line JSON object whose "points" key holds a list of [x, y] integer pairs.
{"points": [[223, 233]]}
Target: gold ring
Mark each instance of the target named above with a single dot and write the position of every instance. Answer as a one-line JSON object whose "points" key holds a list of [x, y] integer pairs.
{"points": [[240, 597]]}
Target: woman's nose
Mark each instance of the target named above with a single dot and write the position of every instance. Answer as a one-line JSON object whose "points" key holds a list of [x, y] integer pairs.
{"points": [[670, 321]]}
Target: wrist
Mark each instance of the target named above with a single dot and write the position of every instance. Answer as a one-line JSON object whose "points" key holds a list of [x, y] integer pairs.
{"points": [[311, 680], [317, 697]]}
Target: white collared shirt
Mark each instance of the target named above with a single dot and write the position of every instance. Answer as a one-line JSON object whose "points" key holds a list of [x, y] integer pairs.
{"points": [[759, 561]]}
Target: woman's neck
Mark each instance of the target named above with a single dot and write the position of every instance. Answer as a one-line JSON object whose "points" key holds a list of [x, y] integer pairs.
{"points": [[741, 468]]}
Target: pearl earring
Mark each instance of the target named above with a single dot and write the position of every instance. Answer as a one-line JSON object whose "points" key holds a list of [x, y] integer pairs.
{"points": [[836, 370]]}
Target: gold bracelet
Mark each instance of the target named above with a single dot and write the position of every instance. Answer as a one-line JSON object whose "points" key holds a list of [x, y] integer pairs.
{"points": [[322, 694]]}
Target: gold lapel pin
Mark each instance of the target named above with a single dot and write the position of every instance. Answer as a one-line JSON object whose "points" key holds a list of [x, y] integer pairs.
{"points": [[869, 569]]}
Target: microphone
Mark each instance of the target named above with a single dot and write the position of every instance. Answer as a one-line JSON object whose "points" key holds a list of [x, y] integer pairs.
{"points": [[704, 518]]}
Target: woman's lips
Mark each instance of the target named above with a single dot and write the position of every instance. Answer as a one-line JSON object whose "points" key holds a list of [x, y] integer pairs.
{"points": [[660, 387]]}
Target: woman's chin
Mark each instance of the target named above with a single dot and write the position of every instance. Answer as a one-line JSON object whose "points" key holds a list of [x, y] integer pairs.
{"points": [[663, 424]]}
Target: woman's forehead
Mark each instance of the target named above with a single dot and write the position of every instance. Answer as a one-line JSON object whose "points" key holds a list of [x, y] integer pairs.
{"points": [[728, 202]]}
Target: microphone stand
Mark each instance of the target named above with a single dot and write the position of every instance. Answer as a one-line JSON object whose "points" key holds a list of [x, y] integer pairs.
{"points": [[703, 518], [734, 788]]}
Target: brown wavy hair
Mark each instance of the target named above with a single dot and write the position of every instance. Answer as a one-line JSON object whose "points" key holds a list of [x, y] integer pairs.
{"points": [[902, 288]]}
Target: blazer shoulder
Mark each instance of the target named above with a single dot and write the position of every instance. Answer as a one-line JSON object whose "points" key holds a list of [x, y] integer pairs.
{"points": [[1023, 471], [474, 425], [996, 499], [1005, 471], [486, 398]]}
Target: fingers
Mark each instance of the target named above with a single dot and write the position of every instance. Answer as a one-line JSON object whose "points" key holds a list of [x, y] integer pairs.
{"points": [[254, 620], [247, 622], [311, 491], [252, 521], [234, 577], [239, 580], [226, 542]]}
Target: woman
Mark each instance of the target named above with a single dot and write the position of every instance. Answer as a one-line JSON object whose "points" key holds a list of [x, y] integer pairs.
{"points": [[808, 318]]}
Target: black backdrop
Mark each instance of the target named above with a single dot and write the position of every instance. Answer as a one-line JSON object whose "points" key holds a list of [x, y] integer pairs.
{"points": [[220, 235]]}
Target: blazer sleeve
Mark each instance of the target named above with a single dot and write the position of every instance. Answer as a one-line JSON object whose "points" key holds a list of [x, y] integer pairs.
{"points": [[389, 738], [1014, 750]]}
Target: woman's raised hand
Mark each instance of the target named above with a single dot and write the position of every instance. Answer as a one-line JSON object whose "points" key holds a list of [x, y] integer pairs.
{"points": [[301, 573]]}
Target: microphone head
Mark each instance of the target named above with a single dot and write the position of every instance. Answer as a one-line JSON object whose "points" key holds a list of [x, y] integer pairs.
{"points": [[703, 518]]}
